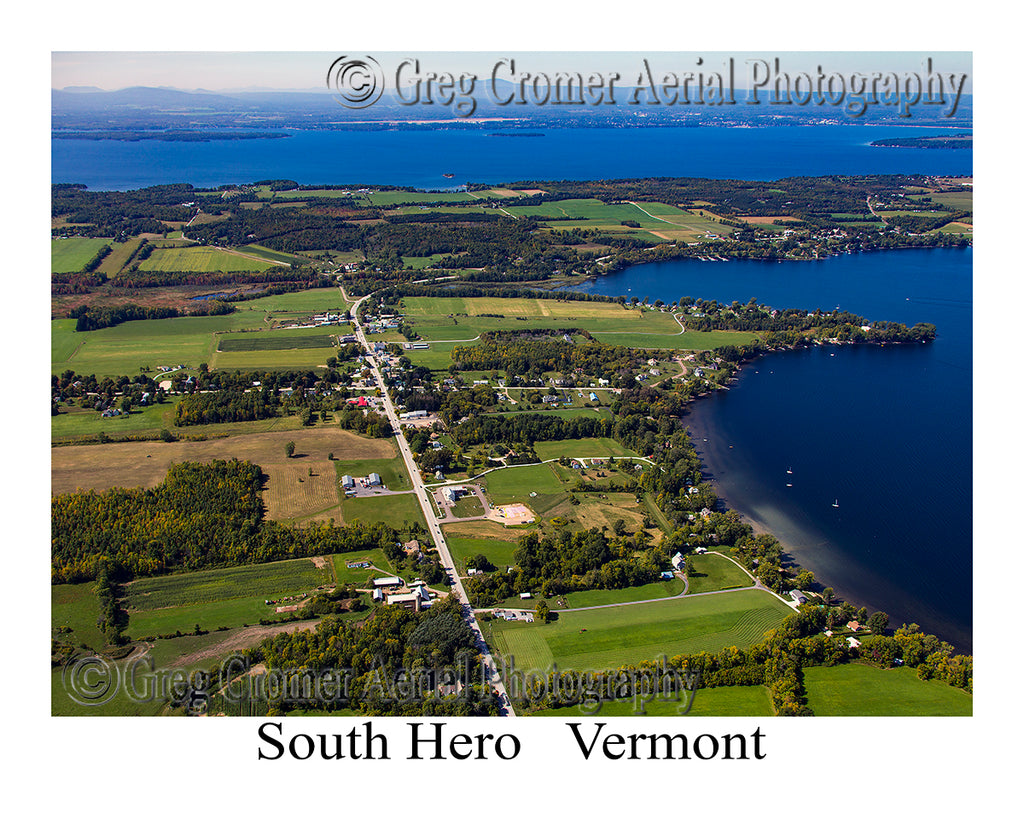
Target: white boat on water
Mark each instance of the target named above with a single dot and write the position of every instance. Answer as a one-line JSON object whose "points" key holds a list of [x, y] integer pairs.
{"points": [[835, 503]]}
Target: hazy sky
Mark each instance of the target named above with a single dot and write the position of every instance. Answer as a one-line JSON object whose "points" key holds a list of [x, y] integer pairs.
{"points": [[220, 70]]}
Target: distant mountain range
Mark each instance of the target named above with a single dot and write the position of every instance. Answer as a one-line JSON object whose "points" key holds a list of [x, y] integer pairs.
{"points": [[88, 107]]}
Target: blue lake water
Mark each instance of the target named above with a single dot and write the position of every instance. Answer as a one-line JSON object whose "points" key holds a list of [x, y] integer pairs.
{"points": [[886, 432], [420, 158]]}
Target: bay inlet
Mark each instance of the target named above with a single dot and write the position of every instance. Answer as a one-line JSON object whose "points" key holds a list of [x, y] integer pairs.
{"points": [[858, 458]]}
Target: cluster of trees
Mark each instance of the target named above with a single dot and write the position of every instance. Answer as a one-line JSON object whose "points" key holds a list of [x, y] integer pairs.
{"points": [[96, 260], [572, 561], [397, 660], [90, 318], [63, 284], [91, 391], [371, 424], [113, 619], [224, 407], [202, 516], [133, 279], [795, 326], [524, 354], [793, 196], [121, 214]]}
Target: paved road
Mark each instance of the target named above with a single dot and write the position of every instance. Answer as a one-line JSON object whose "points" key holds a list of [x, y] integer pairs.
{"points": [[433, 525]]}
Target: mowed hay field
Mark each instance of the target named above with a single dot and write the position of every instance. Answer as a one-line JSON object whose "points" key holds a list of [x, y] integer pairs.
{"points": [[291, 492], [618, 635], [201, 259], [471, 316], [863, 690], [72, 254]]}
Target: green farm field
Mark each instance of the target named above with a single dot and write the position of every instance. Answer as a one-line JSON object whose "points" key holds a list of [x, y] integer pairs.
{"points": [[610, 637], [292, 359], [72, 254], [725, 701], [123, 349], [660, 220], [76, 606], [201, 259], [278, 340], [583, 448], [864, 690], [604, 597], [395, 510], [275, 257], [499, 552], [193, 340], [514, 484], [305, 302], [221, 597], [75, 422], [265, 580]]}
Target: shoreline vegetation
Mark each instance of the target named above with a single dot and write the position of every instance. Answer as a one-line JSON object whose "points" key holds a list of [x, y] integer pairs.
{"points": [[486, 259]]}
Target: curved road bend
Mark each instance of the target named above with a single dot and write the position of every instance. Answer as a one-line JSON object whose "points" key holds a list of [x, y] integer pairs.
{"points": [[432, 522]]}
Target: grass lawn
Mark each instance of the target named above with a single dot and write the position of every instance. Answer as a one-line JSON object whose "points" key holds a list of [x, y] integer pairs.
{"points": [[398, 511], [468, 507], [583, 448], [345, 575], [499, 552], [712, 572], [74, 422], [515, 483], [864, 690], [603, 597], [610, 637], [726, 701]]}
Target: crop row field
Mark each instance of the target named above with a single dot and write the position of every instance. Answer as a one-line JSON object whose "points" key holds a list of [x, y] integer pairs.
{"points": [[203, 259], [603, 638]]}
